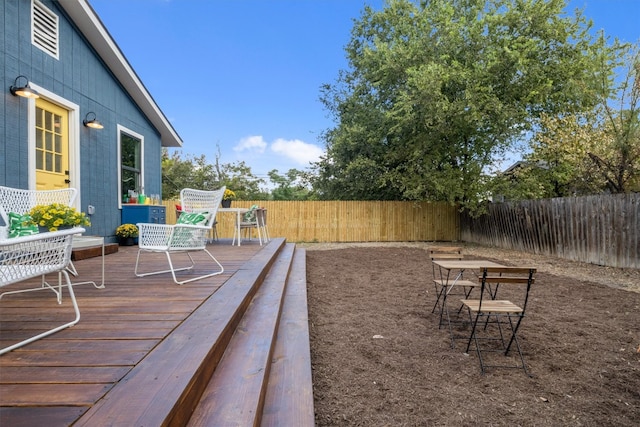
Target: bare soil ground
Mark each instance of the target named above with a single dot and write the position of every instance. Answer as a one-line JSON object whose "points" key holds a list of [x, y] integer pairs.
{"points": [[379, 358]]}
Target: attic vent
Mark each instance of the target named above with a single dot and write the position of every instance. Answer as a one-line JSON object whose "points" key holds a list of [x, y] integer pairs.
{"points": [[44, 29]]}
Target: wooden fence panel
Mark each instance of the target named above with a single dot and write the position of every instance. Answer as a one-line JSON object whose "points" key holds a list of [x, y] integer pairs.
{"points": [[348, 221], [602, 229]]}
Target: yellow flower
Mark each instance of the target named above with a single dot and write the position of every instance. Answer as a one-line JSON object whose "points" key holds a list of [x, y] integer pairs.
{"points": [[56, 215], [127, 230], [229, 195]]}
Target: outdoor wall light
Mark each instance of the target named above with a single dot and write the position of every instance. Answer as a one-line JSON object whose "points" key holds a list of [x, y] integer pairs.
{"points": [[23, 91], [92, 123]]}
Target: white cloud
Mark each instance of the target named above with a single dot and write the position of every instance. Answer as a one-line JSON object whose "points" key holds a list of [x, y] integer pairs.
{"points": [[299, 151], [252, 143]]}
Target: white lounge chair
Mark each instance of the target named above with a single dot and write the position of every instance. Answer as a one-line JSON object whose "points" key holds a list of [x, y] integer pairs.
{"points": [[21, 201], [26, 257], [184, 237]]}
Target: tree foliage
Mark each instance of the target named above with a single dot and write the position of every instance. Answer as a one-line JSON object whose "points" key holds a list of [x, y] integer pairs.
{"points": [[437, 90], [558, 164], [586, 153], [290, 186], [617, 161], [197, 172]]}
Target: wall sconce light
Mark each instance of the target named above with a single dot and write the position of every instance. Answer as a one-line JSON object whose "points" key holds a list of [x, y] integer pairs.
{"points": [[24, 91], [92, 123]]}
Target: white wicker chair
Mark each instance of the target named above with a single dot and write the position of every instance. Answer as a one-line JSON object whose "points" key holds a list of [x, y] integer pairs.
{"points": [[248, 222], [21, 201], [182, 238], [23, 258], [261, 215], [257, 219]]}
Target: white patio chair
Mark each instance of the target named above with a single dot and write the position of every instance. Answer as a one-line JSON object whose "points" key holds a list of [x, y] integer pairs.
{"points": [[26, 257], [261, 215], [185, 236], [251, 220], [21, 201]]}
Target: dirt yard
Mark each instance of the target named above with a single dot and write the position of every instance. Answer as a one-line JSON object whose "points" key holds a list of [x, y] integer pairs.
{"points": [[379, 358]]}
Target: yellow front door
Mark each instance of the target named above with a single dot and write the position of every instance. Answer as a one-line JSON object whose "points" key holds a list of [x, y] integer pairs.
{"points": [[52, 146]]}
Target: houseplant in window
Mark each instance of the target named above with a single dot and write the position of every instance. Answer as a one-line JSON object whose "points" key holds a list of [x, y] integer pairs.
{"points": [[127, 234], [57, 216], [229, 195]]}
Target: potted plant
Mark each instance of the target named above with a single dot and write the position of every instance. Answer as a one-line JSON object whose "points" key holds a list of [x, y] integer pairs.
{"points": [[57, 216], [127, 234], [229, 195]]}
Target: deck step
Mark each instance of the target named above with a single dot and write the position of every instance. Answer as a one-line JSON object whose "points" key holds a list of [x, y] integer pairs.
{"points": [[252, 369], [165, 388], [235, 394], [94, 251], [289, 398], [264, 378]]}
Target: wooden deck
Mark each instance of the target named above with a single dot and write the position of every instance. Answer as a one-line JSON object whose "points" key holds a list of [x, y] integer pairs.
{"points": [[232, 349]]}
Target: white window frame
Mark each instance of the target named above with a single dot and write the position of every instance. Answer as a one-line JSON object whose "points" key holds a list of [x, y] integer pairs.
{"points": [[121, 129]]}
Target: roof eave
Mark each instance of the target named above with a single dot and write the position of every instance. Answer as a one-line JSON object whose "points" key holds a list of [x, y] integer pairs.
{"points": [[87, 21]]}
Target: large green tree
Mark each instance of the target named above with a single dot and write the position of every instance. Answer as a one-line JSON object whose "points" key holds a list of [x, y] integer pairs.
{"points": [[437, 90]]}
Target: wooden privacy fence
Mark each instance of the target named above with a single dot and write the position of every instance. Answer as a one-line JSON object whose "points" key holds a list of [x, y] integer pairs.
{"points": [[602, 229], [350, 221]]}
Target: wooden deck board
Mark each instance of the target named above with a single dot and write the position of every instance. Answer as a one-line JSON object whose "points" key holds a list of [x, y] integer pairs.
{"points": [[96, 345], [51, 394], [62, 375], [131, 320], [113, 334], [41, 416], [79, 358]]}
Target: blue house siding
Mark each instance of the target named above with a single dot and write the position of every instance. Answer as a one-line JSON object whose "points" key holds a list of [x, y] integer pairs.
{"points": [[13, 157], [80, 77]]}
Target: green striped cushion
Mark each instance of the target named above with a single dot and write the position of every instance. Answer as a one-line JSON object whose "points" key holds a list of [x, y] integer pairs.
{"points": [[193, 218], [20, 225], [250, 215]]}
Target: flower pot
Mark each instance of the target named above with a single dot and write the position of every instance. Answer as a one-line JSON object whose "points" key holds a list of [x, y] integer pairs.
{"points": [[226, 203], [126, 241]]}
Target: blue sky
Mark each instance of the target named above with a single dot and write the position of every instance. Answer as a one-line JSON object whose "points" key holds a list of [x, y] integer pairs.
{"points": [[245, 75]]}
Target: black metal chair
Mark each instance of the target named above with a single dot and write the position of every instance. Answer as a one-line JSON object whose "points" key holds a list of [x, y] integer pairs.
{"points": [[495, 322]]}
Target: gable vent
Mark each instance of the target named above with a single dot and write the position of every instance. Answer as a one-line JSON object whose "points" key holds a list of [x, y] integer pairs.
{"points": [[44, 29]]}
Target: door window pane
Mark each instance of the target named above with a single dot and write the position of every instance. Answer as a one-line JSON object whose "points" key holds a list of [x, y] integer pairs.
{"points": [[49, 141]]}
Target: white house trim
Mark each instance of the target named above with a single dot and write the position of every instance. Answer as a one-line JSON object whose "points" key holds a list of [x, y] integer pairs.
{"points": [[74, 137], [121, 130]]}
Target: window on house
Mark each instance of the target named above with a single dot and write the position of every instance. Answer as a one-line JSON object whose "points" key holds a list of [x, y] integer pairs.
{"points": [[44, 28], [131, 156]]}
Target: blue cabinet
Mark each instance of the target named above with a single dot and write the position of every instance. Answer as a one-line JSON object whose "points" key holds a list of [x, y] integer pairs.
{"points": [[133, 214]]}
